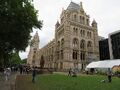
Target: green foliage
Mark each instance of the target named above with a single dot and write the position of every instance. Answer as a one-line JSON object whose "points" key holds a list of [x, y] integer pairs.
{"points": [[15, 59], [62, 82], [17, 20], [24, 61]]}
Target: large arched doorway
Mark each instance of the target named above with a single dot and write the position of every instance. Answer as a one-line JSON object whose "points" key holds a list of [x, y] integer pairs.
{"points": [[61, 65], [42, 62]]}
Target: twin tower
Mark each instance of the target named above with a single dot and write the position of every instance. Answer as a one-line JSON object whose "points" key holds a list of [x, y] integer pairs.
{"points": [[75, 44]]}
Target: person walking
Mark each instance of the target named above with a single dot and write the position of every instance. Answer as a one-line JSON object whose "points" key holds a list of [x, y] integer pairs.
{"points": [[33, 74], [109, 75], [7, 73], [70, 72], [21, 69]]}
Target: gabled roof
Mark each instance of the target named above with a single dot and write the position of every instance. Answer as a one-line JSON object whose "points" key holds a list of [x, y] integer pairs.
{"points": [[73, 6]]}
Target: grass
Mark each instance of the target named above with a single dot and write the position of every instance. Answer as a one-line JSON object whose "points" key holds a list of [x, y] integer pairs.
{"points": [[62, 82]]}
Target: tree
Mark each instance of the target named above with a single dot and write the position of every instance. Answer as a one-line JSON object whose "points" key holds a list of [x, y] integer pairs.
{"points": [[17, 20], [24, 61], [15, 59]]}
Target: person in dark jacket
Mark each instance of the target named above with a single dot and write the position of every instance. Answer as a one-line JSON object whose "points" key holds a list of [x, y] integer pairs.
{"points": [[70, 72], [109, 75], [33, 74]]}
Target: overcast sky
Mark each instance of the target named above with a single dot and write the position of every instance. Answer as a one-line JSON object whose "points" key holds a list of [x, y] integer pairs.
{"points": [[105, 12]]}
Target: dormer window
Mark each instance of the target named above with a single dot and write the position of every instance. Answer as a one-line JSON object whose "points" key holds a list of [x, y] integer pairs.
{"points": [[75, 17]]}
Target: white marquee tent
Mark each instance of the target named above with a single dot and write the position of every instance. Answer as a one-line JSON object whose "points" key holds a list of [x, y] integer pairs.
{"points": [[103, 64]]}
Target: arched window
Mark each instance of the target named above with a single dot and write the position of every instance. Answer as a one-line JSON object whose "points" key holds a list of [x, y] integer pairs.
{"points": [[83, 20], [89, 44], [82, 56], [62, 56], [75, 54], [62, 43], [75, 31], [82, 44], [73, 28], [75, 42], [42, 62], [88, 34], [58, 45], [83, 32], [75, 17], [80, 19], [87, 20]]}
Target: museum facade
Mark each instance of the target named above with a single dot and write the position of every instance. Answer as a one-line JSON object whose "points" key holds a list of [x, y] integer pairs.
{"points": [[75, 44]]}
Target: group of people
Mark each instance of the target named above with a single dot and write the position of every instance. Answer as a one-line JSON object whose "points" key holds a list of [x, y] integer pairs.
{"points": [[72, 72], [25, 70]]}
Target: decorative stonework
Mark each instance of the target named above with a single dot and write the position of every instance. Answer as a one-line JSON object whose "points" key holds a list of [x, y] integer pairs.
{"points": [[75, 44]]}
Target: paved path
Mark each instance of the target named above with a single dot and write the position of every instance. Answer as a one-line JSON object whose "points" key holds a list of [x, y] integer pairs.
{"points": [[7, 85]]}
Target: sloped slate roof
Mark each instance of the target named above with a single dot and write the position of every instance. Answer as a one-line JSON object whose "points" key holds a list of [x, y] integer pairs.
{"points": [[73, 6]]}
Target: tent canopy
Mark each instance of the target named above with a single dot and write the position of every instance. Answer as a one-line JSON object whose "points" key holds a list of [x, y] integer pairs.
{"points": [[103, 64]]}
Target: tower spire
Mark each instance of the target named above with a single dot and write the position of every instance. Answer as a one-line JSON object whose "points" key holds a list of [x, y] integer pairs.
{"points": [[81, 7], [94, 23]]}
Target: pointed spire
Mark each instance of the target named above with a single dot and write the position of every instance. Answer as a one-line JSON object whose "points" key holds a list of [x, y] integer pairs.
{"points": [[57, 24], [81, 7], [36, 36], [94, 23], [36, 33]]}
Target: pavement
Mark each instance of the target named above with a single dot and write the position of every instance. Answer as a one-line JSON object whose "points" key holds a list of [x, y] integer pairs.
{"points": [[9, 84]]}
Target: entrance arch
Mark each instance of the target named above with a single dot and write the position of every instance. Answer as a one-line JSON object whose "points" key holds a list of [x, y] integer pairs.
{"points": [[42, 62]]}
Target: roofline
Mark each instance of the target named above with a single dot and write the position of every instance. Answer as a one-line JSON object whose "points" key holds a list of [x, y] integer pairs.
{"points": [[115, 32]]}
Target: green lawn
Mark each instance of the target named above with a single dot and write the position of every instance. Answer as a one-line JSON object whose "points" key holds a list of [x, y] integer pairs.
{"points": [[62, 82]]}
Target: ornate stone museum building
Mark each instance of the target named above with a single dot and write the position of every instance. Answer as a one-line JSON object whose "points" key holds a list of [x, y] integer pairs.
{"points": [[75, 43]]}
